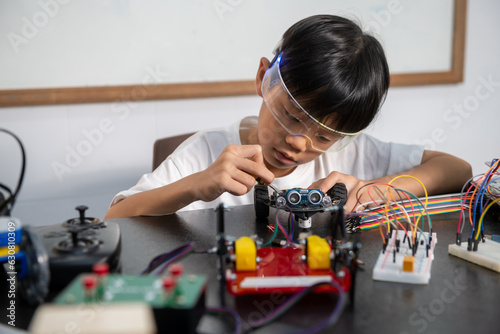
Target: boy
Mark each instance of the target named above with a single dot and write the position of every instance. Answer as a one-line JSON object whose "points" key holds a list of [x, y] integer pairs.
{"points": [[324, 86]]}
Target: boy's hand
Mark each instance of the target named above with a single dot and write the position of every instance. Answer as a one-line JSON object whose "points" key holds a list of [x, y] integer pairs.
{"points": [[234, 171], [352, 184]]}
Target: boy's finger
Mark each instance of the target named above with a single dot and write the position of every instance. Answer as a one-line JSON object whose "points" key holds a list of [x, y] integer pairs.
{"points": [[326, 183], [267, 177], [253, 163], [262, 175], [316, 185], [252, 152], [257, 170], [239, 185], [245, 179]]}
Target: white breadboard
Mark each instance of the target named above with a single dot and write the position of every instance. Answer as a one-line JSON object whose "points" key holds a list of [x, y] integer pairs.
{"points": [[487, 254], [390, 269], [94, 318]]}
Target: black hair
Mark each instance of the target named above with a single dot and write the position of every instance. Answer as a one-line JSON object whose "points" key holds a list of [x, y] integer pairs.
{"points": [[334, 70]]}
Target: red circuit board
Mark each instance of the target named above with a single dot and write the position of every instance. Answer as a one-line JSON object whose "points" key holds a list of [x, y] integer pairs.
{"points": [[282, 270]]}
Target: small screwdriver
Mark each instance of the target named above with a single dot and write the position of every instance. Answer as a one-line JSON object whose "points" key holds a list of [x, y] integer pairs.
{"points": [[260, 181]]}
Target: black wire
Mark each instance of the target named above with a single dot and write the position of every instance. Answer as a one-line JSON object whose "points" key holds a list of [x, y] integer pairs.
{"points": [[7, 189], [4, 202], [13, 197], [220, 311]]}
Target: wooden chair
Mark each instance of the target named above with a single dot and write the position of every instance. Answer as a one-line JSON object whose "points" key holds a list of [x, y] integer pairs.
{"points": [[163, 147]]}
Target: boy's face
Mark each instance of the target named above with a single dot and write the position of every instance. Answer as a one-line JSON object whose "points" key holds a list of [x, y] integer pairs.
{"points": [[282, 151]]}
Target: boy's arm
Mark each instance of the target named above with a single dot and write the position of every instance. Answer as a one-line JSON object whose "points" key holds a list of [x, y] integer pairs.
{"points": [[231, 172], [439, 172], [155, 202]]}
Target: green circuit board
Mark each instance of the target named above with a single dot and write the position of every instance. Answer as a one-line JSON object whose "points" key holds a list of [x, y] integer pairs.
{"points": [[127, 288]]}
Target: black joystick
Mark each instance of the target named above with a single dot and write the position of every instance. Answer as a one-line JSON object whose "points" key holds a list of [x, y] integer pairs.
{"points": [[82, 232], [81, 220], [82, 209], [77, 244], [73, 231]]}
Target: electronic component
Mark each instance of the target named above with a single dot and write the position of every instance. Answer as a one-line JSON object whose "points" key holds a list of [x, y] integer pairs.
{"points": [[255, 269], [285, 270], [246, 254], [409, 264], [353, 224], [299, 198], [318, 253], [51, 256], [406, 260], [482, 196], [304, 203], [177, 301], [77, 244], [487, 255]]}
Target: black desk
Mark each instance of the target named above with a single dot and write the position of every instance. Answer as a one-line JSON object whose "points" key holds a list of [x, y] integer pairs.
{"points": [[460, 298]]}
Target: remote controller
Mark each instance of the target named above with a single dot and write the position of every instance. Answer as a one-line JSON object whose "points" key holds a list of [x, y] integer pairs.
{"points": [[77, 244]]}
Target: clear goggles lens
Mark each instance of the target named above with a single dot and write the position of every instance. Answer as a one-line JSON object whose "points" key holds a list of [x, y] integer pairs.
{"points": [[295, 119]]}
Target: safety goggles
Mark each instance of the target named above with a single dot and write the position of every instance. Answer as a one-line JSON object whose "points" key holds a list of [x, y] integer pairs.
{"points": [[293, 118]]}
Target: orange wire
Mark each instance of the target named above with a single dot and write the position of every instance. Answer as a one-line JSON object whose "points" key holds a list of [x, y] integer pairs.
{"points": [[411, 204], [385, 208], [381, 232], [382, 208]]}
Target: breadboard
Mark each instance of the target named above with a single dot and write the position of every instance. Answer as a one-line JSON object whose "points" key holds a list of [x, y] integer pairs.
{"points": [[487, 254], [389, 267], [126, 318]]}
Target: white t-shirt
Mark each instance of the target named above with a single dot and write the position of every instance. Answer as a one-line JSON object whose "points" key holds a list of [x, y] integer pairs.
{"points": [[366, 158]]}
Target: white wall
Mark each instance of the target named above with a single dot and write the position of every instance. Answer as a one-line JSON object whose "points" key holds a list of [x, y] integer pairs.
{"points": [[219, 41], [116, 160]]}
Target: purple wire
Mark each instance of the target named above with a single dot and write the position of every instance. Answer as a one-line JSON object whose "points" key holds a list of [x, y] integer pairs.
{"points": [[169, 257], [299, 295], [189, 248], [333, 316]]}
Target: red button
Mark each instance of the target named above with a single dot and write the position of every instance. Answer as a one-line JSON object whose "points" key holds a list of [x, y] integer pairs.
{"points": [[176, 269], [100, 268], [89, 282]]}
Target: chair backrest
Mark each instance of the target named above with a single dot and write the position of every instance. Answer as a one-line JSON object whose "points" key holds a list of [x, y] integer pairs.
{"points": [[163, 147]]}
